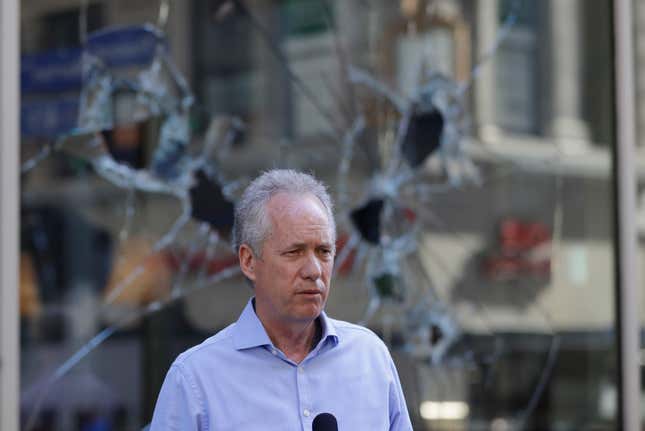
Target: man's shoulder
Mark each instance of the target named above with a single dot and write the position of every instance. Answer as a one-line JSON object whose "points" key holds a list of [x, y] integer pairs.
{"points": [[209, 349], [354, 334], [352, 328]]}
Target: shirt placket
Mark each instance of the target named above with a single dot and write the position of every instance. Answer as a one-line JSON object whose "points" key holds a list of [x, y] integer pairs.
{"points": [[304, 397]]}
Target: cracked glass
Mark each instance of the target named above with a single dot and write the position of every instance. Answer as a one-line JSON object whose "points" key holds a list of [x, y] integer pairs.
{"points": [[467, 146]]}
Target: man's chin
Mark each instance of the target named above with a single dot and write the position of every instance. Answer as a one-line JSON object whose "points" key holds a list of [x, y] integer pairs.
{"points": [[308, 312]]}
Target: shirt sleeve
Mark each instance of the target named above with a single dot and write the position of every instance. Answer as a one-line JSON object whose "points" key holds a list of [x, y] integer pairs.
{"points": [[399, 417], [179, 407]]}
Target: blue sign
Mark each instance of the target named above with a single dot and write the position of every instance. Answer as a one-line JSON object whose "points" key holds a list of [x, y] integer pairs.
{"points": [[48, 118], [118, 47], [46, 75], [51, 71], [126, 46]]}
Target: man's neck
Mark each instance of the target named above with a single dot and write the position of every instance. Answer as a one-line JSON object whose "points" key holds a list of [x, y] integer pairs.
{"points": [[295, 341]]}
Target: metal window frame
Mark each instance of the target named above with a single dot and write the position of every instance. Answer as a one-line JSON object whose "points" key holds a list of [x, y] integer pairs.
{"points": [[624, 171], [9, 214]]}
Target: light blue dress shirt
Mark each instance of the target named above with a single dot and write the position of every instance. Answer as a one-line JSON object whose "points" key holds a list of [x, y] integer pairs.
{"points": [[237, 380]]}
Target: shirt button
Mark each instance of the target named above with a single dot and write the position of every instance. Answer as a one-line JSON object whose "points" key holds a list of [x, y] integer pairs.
{"points": [[306, 413], [301, 369], [274, 352]]}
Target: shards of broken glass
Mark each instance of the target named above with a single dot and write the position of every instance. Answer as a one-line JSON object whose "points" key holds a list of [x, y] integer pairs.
{"points": [[431, 125], [157, 95], [432, 331], [389, 228], [158, 91], [157, 98], [433, 121], [427, 155], [384, 269]]}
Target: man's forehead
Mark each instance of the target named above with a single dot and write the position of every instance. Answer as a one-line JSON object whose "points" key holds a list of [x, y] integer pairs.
{"points": [[294, 215], [282, 204]]}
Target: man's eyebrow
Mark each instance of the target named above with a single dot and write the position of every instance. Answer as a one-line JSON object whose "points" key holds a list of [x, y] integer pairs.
{"points": [[301, 245], [297, 245]]}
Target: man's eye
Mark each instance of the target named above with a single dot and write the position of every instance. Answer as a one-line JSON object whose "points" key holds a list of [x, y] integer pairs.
{"points": [[326, 252]]}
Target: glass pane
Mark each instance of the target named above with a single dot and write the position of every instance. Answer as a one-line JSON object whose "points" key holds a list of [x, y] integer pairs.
{"points": [[468, 148]]}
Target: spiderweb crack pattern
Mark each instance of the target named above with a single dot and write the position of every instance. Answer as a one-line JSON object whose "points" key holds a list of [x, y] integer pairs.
{"points": [[431, 126]]}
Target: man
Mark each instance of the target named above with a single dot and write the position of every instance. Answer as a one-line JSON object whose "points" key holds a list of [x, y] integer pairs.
{"points": [[284, 361]]}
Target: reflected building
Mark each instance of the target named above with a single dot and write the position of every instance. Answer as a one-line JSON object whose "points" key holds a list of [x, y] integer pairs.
{"points": [[521, 261]]}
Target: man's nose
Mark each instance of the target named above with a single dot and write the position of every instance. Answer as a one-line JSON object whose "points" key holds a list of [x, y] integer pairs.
{"points": [[311, 267]]}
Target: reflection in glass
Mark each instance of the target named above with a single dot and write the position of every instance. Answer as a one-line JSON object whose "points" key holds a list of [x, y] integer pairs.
{"points": [[485, 265]]}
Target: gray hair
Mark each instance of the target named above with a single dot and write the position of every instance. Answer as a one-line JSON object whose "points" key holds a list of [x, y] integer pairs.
{"points": [[251, 225]]}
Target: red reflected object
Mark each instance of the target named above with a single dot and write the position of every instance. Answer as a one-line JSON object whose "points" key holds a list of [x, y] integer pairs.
{"points": [[524, 250], [348, 262]]}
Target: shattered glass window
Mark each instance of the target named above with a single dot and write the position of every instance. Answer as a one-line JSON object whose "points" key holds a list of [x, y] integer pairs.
{"points": [[467, 145]]}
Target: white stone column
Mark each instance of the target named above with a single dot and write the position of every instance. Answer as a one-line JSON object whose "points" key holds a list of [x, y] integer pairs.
{"points": [[9, 226], [487, 14], [566, 123]]}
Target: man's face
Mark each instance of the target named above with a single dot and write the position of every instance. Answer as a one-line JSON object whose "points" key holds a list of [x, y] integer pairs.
{"points": [[292, 276]]}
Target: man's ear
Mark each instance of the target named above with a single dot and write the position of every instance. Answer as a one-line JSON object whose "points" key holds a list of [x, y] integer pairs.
{"points": [[247, 261]]}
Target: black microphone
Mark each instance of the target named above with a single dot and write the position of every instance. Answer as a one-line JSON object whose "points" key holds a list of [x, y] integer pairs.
{"points": [[324, 422]]}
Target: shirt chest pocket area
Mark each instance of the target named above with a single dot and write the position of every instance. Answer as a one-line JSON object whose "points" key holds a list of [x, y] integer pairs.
{"points": [[365, 403], [366, 391]]}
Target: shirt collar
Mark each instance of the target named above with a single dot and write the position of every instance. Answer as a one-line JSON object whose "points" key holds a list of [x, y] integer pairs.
{"points": [[248, 331]]}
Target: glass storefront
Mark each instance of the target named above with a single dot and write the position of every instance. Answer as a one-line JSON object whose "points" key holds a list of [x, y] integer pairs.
{"points": [[467, 144]]}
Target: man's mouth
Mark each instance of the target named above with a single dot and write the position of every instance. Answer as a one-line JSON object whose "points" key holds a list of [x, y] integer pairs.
{"points": [[318, 289]]}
